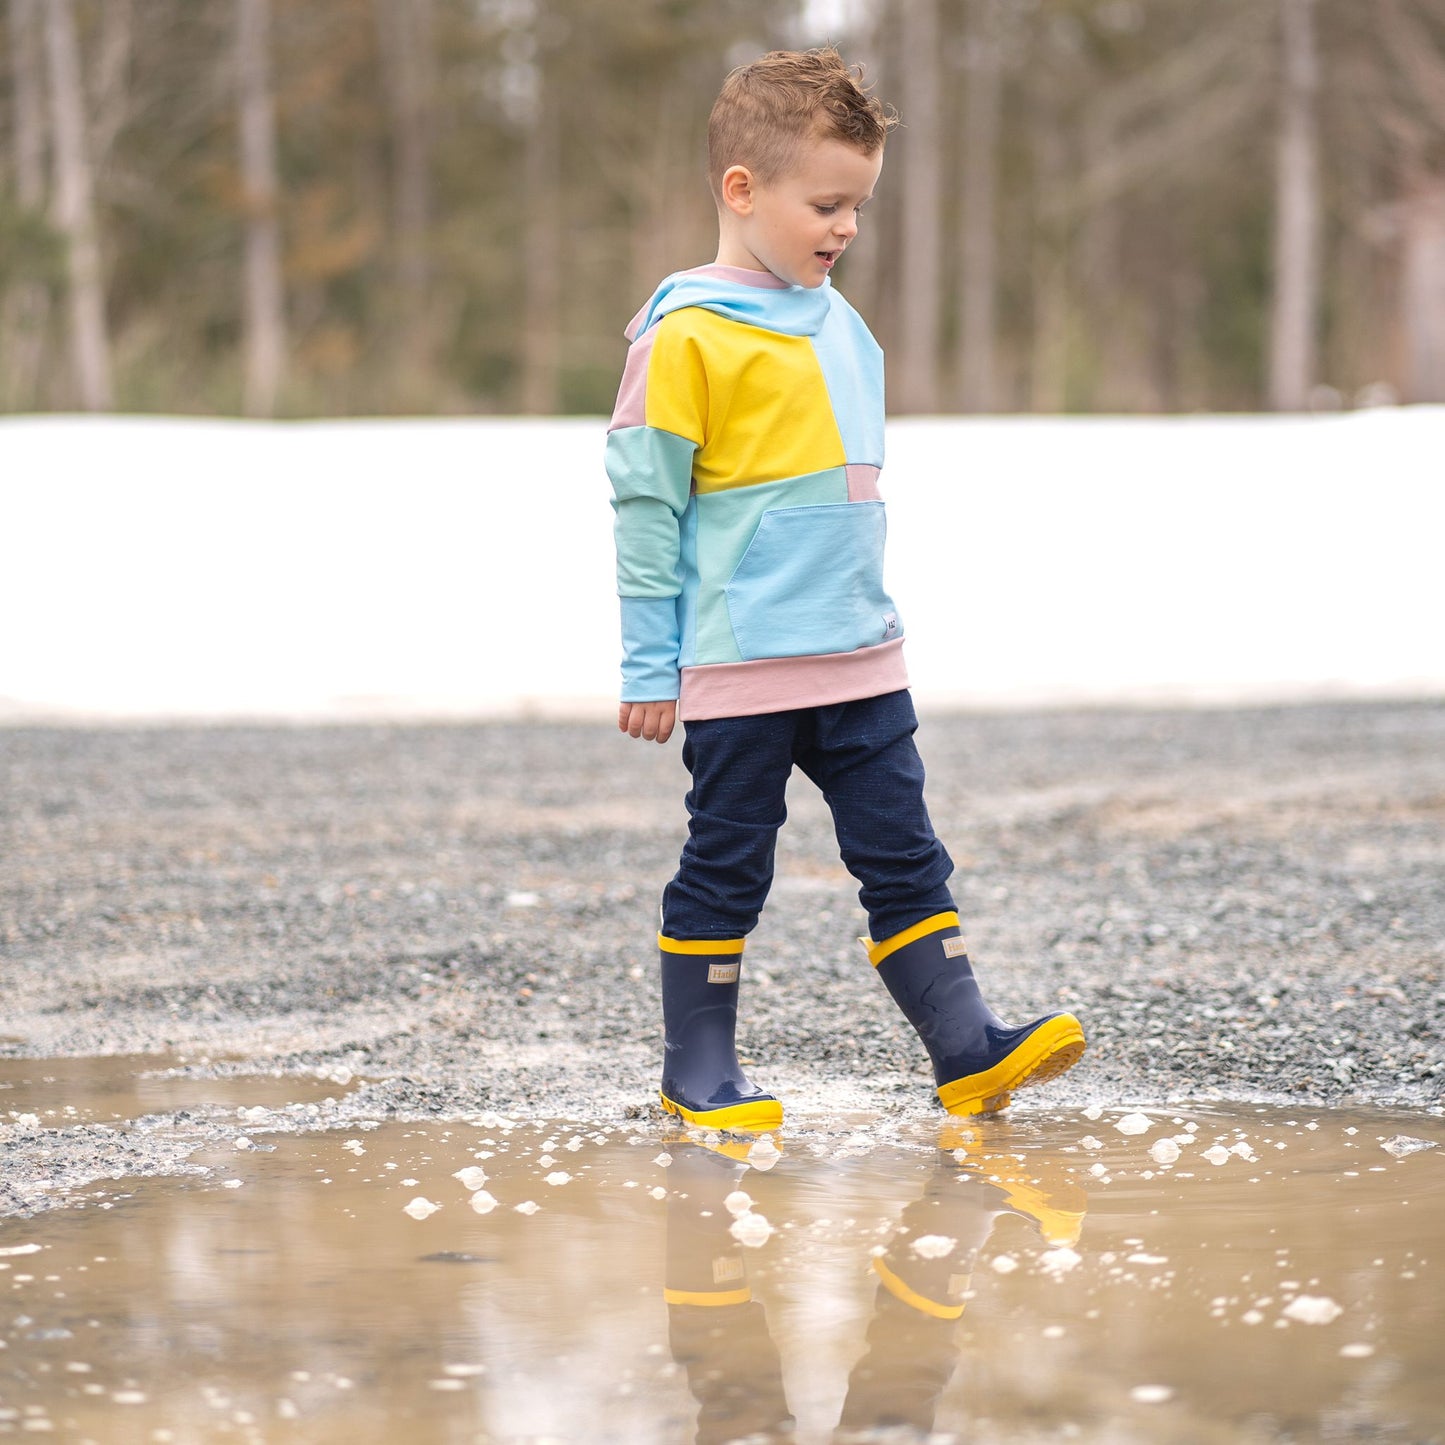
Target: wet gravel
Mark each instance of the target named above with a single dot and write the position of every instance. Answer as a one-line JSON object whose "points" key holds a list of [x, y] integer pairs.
{"points": [[1244, 904]]}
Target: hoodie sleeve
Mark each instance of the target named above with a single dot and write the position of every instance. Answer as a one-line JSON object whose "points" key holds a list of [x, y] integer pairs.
{"points": [[655, 429]]}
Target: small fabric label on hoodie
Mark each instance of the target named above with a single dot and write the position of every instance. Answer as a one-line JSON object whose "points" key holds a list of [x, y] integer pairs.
{"points": [[955, 947], [890, 625], [722, 972]]}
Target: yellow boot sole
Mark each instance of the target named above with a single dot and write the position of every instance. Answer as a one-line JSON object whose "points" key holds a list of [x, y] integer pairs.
{"points": [[757, 1118], [1049, 1051]]}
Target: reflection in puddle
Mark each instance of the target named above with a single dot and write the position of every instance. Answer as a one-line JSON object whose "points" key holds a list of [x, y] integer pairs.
{"points": [[1112, 1276]]}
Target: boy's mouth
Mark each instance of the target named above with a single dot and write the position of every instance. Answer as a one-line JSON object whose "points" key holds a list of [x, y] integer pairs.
{"points": [[828, 257]]}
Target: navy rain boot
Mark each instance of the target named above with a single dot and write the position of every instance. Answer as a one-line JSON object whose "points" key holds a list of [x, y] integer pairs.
{"points": [[978, 1061], [702, 1081]]}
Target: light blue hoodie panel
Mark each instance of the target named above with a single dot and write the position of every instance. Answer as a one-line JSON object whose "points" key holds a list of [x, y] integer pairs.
{"points": [[794, 311], [852, 365]]}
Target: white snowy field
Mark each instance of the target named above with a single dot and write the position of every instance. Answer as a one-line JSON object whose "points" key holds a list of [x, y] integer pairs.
{"points": [[195, 568]]}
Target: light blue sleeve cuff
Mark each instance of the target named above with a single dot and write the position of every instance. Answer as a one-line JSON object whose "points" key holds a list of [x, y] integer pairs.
{"points": [[650, 645]]}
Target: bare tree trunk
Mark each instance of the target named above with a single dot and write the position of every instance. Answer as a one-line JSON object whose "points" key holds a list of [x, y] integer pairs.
{"points": [[265, 318], [542, 294], [406, 31], [1049, 281], [74, 208], [978, 281], [1422, 293], [1297, 214], [26, 304], [109, 99], [921, 302]]}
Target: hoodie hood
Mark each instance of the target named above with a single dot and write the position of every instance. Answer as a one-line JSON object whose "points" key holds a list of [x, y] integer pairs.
{"points": [[756, 298]]}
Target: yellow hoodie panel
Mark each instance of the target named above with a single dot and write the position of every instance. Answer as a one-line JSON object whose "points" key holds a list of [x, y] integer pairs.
{"points": [[755, 400]]}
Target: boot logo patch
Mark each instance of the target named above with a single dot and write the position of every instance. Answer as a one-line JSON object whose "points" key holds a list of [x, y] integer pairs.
{"points": [[722, 972], [954, 947], [727, 1268]]}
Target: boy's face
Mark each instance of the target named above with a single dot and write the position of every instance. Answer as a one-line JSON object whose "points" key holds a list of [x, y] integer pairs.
{"points": [[797, 225]]}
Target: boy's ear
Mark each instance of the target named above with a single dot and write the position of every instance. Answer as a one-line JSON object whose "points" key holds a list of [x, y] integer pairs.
{"points": [[737, 189]]}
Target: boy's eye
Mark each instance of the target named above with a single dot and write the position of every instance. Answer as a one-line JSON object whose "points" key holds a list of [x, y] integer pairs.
{"points": [[825, 210]]}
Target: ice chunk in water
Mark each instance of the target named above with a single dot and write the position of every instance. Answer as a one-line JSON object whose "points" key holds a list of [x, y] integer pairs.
{"points": [[1089, 1142], [1134, 1124], [764, 1154], [1059, 1261], [1164, 1151], [421, 1207], [1004, 1264], [1094, 1111], [471, 1177], [664, 1159], [1312, 1309], [1151, 1394], [558, 1177], [1359, 1351], [528, 1206], [1402, 1145], [11, 1250], [1217, 1155], [933, 1246], [738, 1203], [482, 1202], [751, 1229]]}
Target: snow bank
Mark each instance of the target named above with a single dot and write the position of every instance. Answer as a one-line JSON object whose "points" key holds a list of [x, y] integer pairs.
{"points": [[206, 568]]}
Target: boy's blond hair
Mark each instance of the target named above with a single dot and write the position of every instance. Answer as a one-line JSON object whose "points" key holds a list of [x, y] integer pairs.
{"points": [[767, 109]]}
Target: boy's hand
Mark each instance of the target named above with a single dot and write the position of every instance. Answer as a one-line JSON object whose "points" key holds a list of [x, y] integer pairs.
{"points": [[651, 720]]}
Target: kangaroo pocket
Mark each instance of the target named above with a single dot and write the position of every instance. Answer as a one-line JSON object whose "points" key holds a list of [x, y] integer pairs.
{"points": [[811, 581]]}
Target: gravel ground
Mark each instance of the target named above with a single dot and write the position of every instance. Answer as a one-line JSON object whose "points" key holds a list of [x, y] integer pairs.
{"points": [[1241, 905]]}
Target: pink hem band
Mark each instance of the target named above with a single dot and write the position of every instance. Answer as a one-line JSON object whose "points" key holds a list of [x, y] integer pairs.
{"points": [[779, 684]]}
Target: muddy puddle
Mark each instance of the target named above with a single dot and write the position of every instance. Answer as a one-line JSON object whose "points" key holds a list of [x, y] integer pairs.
{"points": [[1107, 1275]]}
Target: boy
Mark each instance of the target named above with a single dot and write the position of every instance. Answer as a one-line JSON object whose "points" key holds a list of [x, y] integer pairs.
{"points": [[744, 455]]}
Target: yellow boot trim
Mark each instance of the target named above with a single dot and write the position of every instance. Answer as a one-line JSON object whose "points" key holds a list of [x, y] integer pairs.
{"points": [[700, 945], [708, 1300], [877, 952], [1046, 1053], [758, 1117], [912, 1298]]}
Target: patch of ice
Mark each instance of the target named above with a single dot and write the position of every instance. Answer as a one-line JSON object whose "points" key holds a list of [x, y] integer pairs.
{"points": [[446, 1384], [558, 1177], [751, 1229], [1151, 1394], [355, 1146], [1134, 1124], [933, 1246], [738, 1203], [1312, 1309], [1089, 1142], [232, 1184], [1217, 1155], [482, 1202], [1251, 1317], [1004, 1264], [1094, 1111], [1357, 1351], [664, 1159], [1148, 1259], [1164, 1151], [1244, 1150], [421, 1207], [10, 1251], [527, 1206], [1403, 1145], [1098, 1170], [242, 1142], [658, 1192], [471, 1177]]}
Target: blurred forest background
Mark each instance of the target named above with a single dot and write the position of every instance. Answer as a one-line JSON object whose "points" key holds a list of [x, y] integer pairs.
{"points": [[342, 207]]}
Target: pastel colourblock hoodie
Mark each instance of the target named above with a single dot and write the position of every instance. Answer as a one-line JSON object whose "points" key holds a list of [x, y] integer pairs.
{"points": [[744, 456]]}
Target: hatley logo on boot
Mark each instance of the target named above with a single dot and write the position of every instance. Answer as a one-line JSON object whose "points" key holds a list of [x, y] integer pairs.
{"points": [[955, 947], [722, 973]]}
